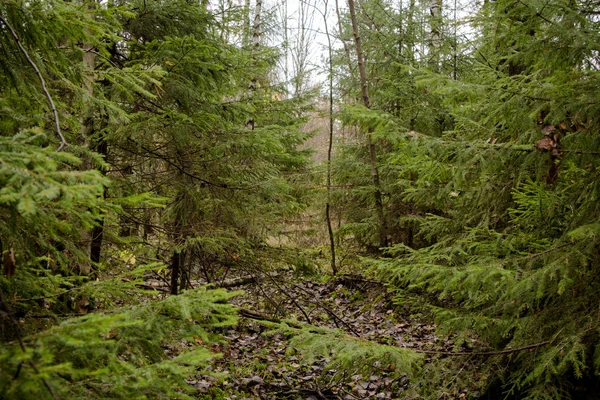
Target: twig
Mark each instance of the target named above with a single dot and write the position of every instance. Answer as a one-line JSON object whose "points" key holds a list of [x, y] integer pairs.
{"points": [[457, 374], [541, 253], [318, 390], [45, 297], [22, 345], [292, 299], [183, 170], [63, 142], [251, 314], [329, 311]]}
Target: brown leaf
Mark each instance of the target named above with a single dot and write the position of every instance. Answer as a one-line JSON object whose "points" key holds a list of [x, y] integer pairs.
{"points": [[545, 144], [548, 130], [82, 306], [10, 266]]}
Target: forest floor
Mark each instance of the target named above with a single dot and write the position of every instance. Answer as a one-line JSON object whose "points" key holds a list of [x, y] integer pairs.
{"points": [[262, 365]]}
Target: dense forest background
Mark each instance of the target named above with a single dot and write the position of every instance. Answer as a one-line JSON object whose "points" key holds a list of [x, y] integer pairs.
{"points": [[154, 153]]}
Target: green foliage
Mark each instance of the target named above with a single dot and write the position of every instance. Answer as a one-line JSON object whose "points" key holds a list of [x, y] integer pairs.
{"points": [[497, 240], [507, 253], [349, 355], [153, 101], [146, 351], [46, 203]]}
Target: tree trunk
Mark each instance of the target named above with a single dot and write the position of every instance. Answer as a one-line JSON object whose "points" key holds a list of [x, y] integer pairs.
{"points": [[346, 48], [435, 34], [256, 33], [330, 147], [175, 272], [370, 144], [92, 239]]}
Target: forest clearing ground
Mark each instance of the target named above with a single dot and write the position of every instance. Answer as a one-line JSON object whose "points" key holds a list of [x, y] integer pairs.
{"points": [[260, 365]]}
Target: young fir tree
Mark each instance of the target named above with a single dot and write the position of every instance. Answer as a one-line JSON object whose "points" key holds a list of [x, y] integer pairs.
{"points": [[164, 100], [391, 41], [513, 194]]}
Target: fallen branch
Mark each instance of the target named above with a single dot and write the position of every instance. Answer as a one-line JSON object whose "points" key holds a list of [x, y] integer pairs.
{"points": [[251, 314], [247, 313], [330, 312], [235, 282], [355, 281], [163, 289], [293, 300]]}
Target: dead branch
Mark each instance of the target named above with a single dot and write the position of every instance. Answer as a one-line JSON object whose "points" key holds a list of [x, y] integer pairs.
{"points": [[235, 282], [251, 314], [330, 312], [293, 300]]}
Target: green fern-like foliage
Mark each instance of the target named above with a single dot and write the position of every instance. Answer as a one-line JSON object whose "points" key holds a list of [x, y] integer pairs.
{"points": [[43, 195], [349, 355], [513, 260], [513, 256], [146, 351], [506, 245]]}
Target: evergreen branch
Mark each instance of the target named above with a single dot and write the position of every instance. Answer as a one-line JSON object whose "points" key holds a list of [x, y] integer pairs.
{"points": [[183, 171], [63, 142], [538, 13], [45, 297], [581, 152], [550, 250], [12, 318], [96, 53], [498, 146], [484, 353]]}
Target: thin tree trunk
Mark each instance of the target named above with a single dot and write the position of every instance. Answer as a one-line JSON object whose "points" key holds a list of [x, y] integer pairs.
{"points": [[181, 223], [175, 272], [370, 144], [330, 147], [246, 30], [435, 34], [256, 29], [286, 46], [185, 270], [455, 46], [93, 238], [346, 48], [256, 33], [410, 33], [97, 237]]}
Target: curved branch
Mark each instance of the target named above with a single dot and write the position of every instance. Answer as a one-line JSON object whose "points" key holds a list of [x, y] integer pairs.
{"points": [[63, 142]]}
